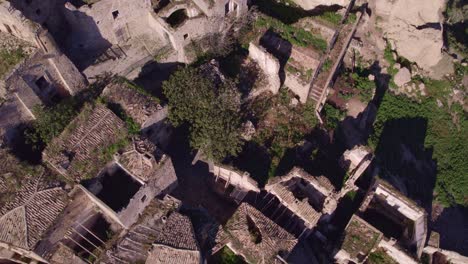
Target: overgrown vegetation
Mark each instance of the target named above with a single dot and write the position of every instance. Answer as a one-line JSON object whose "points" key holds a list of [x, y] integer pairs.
{"points": [[211, 110], [333, 116], [226, 256], [281, 126], [8, 59], [296, 36], [330, 17], [424, 127], [380, 257], [50, 122], [366, 87]]}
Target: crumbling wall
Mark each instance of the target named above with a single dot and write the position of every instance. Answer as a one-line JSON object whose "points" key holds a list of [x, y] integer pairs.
{"points": [[14, 22], [234, 178], [269, 65]]}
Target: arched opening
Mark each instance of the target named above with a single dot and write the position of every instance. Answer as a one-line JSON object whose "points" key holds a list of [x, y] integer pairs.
{"points": [[177, 18]]}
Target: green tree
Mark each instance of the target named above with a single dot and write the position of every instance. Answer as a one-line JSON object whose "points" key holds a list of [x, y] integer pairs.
{"points": [[212, 111]]}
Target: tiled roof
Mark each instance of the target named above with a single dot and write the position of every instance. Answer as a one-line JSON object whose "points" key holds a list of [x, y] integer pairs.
{"points": [[302, 208], [91, 131], [25, 219], [140, 107], [178, 233], [142, 158], [255, 236]]}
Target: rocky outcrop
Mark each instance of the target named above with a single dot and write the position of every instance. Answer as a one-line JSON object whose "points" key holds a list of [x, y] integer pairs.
{"points": [[413, 28], [311, 4]]}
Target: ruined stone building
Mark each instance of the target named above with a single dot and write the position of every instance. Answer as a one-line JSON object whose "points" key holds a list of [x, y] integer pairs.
{"points": [[43, 78], [175, 242], [142, 107], [122, 36], [355, 161], [396, 216], [27, 217], [122, 184], [225, 176], [388, 224], [75, 153], [163, 235], [306, 196], [255, 237], [363, 243]]}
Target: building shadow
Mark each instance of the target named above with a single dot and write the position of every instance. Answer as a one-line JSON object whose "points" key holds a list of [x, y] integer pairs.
{"points": [[452, 225], [290, 14], [152, 76]]}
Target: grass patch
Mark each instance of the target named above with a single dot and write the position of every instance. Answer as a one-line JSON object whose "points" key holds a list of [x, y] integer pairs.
{"points": [[296, 36], [8, 59], [330, 17]]}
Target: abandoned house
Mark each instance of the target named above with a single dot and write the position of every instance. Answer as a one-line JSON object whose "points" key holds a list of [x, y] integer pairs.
{"points": [[232, 182], [395, 215], [306, 196], [175, 242], [80, 233], [121, 37], [434, 254], [355, 161], [27, 217], [76, 153], [255, 237], [142, 107], [363, 243], [136, 244], [285, 64], [46, 76]]}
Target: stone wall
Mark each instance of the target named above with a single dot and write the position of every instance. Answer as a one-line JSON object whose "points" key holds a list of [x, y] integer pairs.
{"points": [[235, 178], [269, 65], [14, 22]]}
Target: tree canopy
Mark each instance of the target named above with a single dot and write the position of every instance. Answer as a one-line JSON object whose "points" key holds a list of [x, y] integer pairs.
{"points": [[211, 110]]}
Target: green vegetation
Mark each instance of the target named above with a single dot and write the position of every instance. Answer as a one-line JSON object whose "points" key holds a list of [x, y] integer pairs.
{"points": [[333, 116], [446, 134], [281, 126], [50, 122], [137, 88], [351, 18], [359, 238], [327, 64], [296, 36], [365, 86], [212, 112], [331, 17], [228, 257], [351, 194], [380, 257], [8, 59]]}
